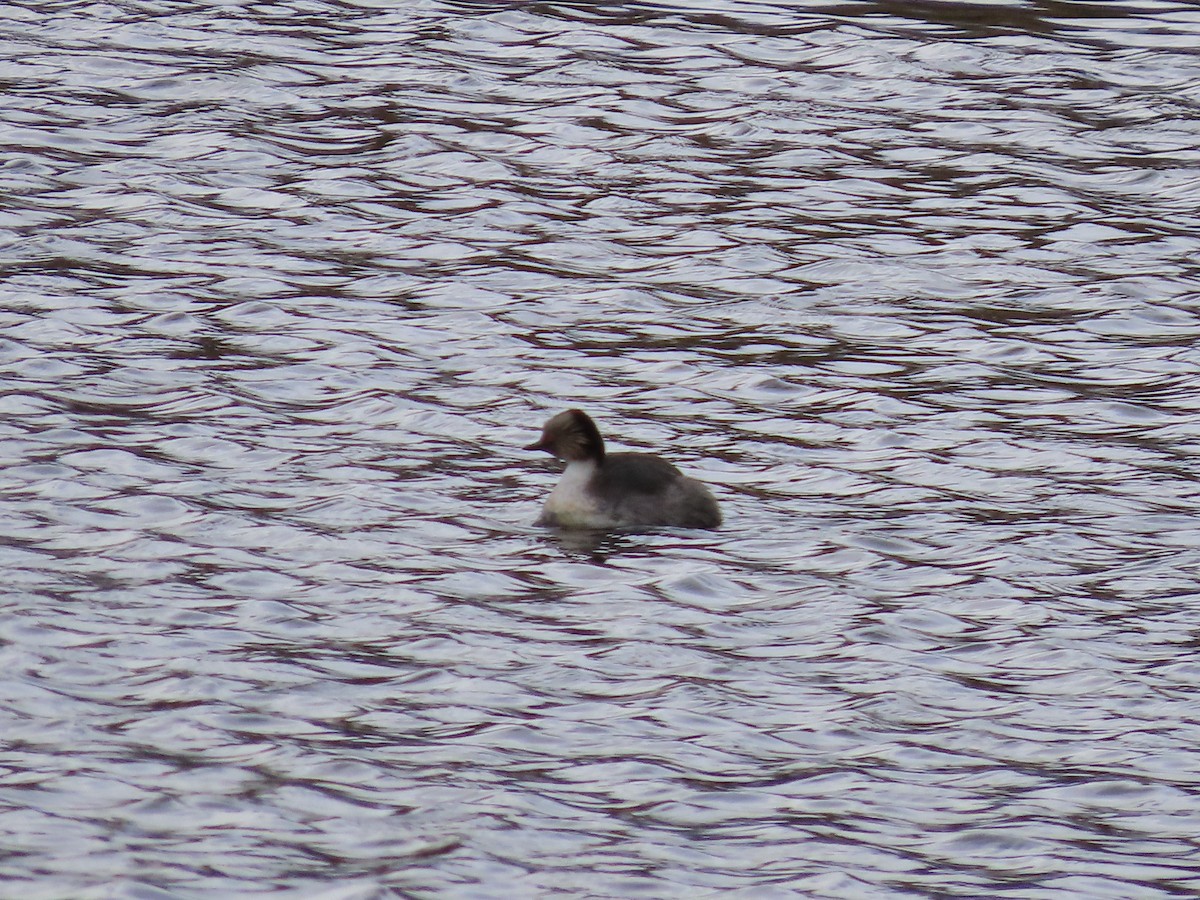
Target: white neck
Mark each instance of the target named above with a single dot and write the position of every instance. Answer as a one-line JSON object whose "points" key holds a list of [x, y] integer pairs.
{"points": [[569, 502], [577, 473]]}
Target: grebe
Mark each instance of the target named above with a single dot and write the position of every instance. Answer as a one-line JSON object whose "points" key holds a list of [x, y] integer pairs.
{"points": [[617, 490]]}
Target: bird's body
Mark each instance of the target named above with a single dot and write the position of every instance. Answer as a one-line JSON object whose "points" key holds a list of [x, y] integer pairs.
{"points": [[617, 490]]}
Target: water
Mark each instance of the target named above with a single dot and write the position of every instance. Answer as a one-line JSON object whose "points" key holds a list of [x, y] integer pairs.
{"points": [[286, 287]]}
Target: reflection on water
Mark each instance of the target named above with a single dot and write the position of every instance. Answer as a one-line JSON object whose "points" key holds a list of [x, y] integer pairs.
{"points": [[913, 286]]}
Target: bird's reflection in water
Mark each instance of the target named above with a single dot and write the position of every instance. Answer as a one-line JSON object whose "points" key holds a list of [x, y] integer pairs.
{"points": [[595, 543]]}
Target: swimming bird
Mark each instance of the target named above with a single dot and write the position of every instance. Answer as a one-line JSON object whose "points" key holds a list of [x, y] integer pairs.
{"points": [[617, 490]]}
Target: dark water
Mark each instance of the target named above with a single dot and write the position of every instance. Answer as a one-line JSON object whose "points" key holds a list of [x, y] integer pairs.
{"points": [[914, 286]]}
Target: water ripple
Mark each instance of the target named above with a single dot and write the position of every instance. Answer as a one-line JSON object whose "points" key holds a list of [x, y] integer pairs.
{"points": [[913, 286]]}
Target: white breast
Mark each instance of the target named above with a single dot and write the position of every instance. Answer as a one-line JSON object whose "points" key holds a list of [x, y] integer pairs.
{"points": [[570, 504]]}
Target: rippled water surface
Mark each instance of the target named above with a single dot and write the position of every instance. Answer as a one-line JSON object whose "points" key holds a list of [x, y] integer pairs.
{"points": [[914, 286]]}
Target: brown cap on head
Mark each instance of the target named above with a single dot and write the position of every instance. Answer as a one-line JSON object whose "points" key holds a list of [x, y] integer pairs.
{"points": [[571, 436]]}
